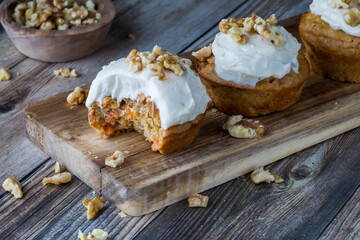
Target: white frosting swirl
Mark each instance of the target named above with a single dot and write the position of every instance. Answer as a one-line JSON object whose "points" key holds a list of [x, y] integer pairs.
{"points": [[179, 98], [334, 17], [257, 59]]}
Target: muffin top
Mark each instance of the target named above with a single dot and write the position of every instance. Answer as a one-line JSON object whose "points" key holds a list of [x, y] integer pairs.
{"points": [[167, 79], [251, 49], [339, 14]]}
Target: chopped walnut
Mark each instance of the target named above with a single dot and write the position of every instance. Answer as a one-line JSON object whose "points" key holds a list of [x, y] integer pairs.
{"points": [[226, 24], [115, 160], [265, 29], [58, 179], [131, 36], [352, 17], [93, 206], [204, 53], [157, 61], [339, 3], [66, 72], [198, 200], [19, 13], [13, 186], [240, 127], [260, 175], [76, 97], [238, 29], [4, 74], [57, 167], [98, 234], [81, 235], [90, 6], [238, 35], [122, 214], [55, 14], [48, 25]]}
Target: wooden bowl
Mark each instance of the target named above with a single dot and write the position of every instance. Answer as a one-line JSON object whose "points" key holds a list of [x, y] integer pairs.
{"points": [[58, 45]]}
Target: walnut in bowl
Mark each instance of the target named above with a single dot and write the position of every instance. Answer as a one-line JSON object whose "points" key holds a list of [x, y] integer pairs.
{"points": [[52, 40]]}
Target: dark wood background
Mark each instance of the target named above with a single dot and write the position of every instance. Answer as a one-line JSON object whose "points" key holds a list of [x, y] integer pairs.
{"points": [[320, 197]]}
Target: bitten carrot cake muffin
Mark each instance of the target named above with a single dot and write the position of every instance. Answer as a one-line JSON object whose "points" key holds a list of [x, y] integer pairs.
{"points": [[253, 67], [155, 93], [331, 34]]}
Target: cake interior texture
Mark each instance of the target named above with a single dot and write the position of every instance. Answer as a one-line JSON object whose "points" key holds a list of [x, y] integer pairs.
{"points": [[141, 115], [115, 117]]}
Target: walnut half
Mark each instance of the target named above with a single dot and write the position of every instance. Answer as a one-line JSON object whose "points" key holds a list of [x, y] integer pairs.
{"points": [[260, 175], [93, 206], [58, 179], [13, 186], [198, 200], [240, 127]]}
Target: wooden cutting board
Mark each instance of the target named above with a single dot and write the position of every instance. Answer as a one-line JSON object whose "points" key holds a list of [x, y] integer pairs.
{"points": [[148, 181]]}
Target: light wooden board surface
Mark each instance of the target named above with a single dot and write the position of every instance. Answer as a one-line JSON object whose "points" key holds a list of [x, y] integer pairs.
{"points": [[148, 181], [308, 203]]}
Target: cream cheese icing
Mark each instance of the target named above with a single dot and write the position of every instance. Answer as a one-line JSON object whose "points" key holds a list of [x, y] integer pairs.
{"points": [[256, 60], [179, 98], [334, 17]]}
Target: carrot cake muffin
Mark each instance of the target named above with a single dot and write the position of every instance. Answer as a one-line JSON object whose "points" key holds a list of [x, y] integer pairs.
{"points": [[155, 93], [253, 67], [331, 34]]}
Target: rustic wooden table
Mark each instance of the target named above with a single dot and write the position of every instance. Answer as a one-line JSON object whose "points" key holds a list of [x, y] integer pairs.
{"points": [[320, 198]]}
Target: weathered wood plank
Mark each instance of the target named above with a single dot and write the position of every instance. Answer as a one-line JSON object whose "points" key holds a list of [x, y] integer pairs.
{"points": [[346, 224], [318, 182], [56, 212], [23, 150]]}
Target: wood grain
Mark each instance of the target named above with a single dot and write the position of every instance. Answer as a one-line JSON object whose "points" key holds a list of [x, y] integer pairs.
{"points": [[318, 182], [346, 225], [148, 181], [56, 212], [33, 81]]}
